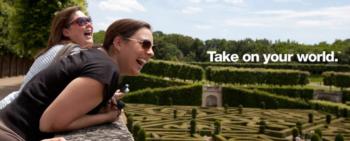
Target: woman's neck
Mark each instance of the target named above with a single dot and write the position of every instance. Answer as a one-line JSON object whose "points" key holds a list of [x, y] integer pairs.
{"points": [[111, 54]]}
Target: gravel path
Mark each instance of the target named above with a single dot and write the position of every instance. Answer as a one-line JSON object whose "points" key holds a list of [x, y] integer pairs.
{"points": [[9, 84]]}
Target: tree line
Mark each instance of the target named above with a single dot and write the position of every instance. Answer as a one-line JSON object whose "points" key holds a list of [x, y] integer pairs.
{"points": [[177, 47]]}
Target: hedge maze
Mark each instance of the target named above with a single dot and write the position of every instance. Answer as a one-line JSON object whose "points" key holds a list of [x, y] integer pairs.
{"points": [[160, 124], [168, 109]]}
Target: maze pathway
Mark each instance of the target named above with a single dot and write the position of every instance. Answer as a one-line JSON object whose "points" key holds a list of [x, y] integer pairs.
{"points": [[159, 123]]}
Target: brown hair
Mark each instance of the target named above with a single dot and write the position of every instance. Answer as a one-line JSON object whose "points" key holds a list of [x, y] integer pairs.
{"points": [[124, 28], [59, 22]]}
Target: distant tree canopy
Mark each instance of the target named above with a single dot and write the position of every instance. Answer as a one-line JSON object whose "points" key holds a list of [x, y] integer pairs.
{"points": [[185, 48], [26, 23], [6, 11], [99, 37]]}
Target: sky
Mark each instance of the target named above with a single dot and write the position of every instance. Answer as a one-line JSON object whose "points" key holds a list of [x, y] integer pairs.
{"points": [[303, 21]]}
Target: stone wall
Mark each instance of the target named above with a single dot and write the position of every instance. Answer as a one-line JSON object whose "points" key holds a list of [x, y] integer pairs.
{"points": [[116, 131]]}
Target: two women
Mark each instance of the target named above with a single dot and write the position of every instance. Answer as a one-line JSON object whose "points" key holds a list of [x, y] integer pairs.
{"points": [[69, 26], [75, 92]]}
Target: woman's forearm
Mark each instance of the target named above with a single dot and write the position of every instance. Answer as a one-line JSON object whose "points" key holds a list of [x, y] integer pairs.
{"points": [[88, 120]]}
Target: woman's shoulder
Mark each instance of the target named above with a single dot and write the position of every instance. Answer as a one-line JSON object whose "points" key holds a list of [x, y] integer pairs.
{"points": [[52, 51], [91, 56], [56, 48], [95, 52]]}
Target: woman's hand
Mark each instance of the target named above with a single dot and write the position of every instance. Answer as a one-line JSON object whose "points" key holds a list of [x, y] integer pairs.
{"points": [[117, 96], [111, 111]]}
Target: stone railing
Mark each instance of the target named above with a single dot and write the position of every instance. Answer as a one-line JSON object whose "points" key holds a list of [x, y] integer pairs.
{"points": [[116, 131]]}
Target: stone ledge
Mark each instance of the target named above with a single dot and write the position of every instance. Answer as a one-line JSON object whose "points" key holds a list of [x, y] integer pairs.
{"points": [[116, 131]]}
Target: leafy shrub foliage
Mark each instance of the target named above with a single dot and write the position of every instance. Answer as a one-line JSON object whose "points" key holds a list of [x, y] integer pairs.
{"points": [[174, 70], [339, 79], [256, 76], [181, 95], [234, 96]]}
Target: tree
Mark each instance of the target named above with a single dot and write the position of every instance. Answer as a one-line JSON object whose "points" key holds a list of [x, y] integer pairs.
{"points": [[99, 37], [194, 113], [262, 126], [175, 113], [141, 135], [240, 108], [311, 117], [339, 137], [130, 122], [31, 23], [199, 49], [318, 132], [135, 129], [217, 127], [167, 51], [295, 133], [299, 126], [316, 137], [226, 108], [328, 118], [6, 11], [193, 127]]}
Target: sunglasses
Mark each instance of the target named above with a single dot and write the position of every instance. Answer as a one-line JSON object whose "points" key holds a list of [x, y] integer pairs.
{"points": [[146, 44], [81, 21]]}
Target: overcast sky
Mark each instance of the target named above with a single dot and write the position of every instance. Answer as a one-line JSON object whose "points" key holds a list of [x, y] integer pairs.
{"points": [[304, 21]]}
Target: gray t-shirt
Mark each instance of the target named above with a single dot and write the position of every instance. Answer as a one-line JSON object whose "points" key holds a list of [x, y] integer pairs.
{"points": [[24, 113], [38, 65]]}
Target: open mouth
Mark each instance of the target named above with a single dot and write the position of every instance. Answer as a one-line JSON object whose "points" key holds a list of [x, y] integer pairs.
{"points": [[141, 62], [88, 33]]}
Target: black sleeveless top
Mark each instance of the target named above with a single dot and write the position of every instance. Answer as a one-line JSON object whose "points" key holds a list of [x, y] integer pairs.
{"points": [[23, 114]]}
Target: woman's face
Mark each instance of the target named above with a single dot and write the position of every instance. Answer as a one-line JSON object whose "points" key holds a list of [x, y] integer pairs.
{"points": [[135, 52], [80, 30]]}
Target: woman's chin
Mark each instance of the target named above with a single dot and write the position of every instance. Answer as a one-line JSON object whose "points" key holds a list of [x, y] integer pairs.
{"points": [[134, 73]]}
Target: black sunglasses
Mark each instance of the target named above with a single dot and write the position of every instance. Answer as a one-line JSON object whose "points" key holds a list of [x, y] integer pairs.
{"points": [[146, 44], [81, 21]]}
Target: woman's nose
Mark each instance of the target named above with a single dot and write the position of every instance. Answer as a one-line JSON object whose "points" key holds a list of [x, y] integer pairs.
{"points": [[89, 24], [150, 52]]}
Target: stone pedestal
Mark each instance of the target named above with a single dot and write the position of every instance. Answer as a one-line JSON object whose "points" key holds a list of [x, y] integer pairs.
{"points": [[329, 96]]}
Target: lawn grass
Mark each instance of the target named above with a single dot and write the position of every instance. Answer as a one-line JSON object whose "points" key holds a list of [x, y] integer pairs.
{"points": [[316, 78]]}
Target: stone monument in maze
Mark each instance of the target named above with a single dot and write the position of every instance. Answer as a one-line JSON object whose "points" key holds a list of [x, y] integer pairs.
{"points": [[329, 96], [211, 96]]}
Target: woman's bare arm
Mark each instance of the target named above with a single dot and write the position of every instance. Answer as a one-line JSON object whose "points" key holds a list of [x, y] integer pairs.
{"points": [[68, 110]]}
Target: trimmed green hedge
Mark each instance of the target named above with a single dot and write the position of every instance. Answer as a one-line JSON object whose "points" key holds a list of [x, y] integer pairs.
{"points": [[290, 91], [180, 95], [346, 96], [234, 96], [147, 81], [256, 76], [174, 70], [330, 107], [312, 68], [339, 79]]}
